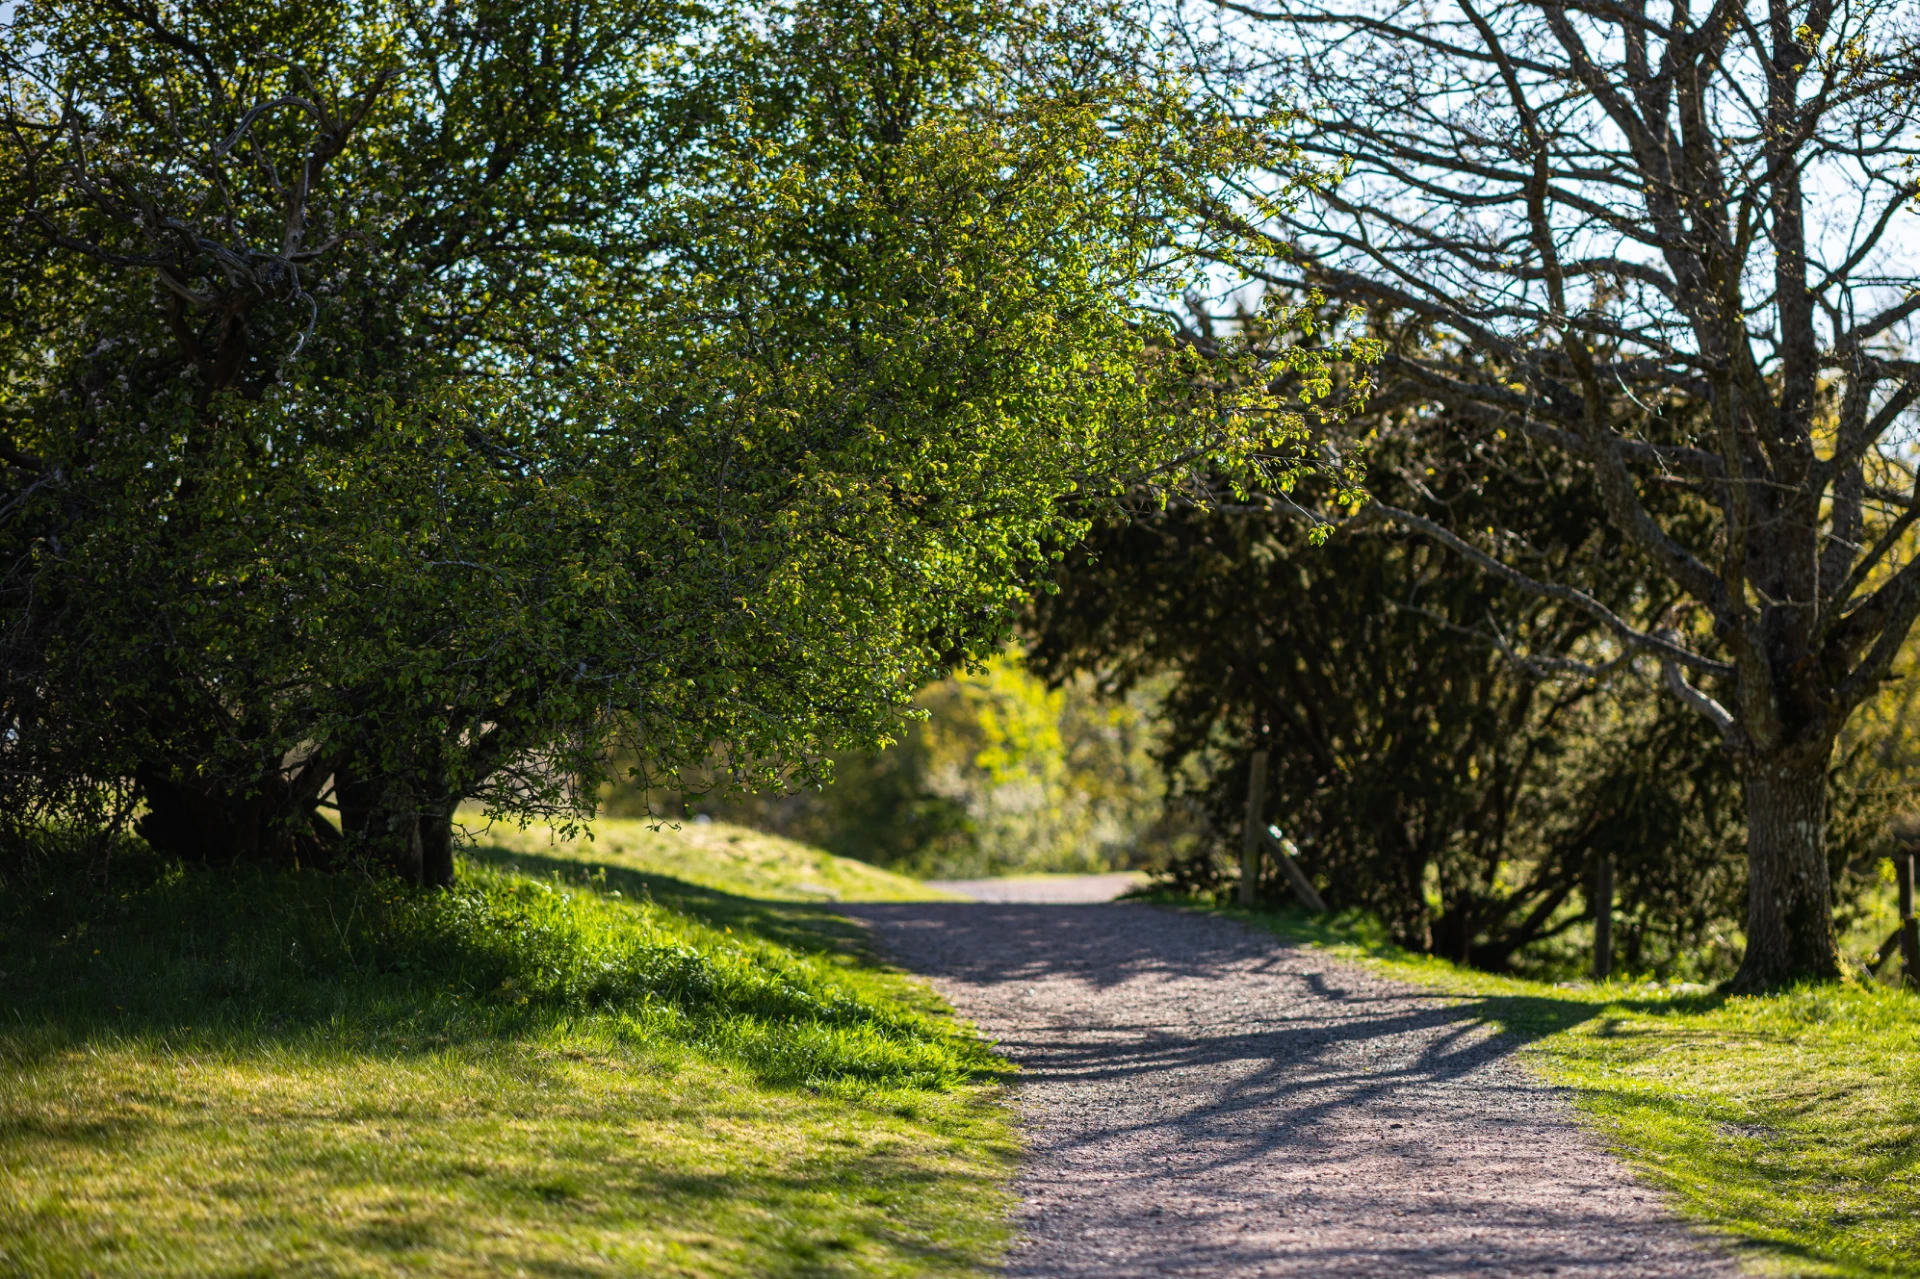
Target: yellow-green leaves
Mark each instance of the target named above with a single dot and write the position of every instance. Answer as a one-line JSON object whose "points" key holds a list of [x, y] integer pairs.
{"points": [[707, 377]]}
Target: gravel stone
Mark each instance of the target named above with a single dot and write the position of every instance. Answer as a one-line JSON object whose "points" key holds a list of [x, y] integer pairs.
{"points": [[1202, 1099]]}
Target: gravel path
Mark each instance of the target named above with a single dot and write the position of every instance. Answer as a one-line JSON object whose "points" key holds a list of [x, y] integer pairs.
{"points": [[1060, 890], [1201, 1099]]}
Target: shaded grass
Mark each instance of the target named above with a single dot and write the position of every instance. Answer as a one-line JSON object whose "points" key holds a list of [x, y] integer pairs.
{"points": [[1788, 1123], [556, 1069]]}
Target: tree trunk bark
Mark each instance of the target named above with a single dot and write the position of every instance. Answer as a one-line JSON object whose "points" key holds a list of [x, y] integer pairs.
{"points": [[1408, 918], [1452, 934], [436, 844], [1251, 843], [1405, 912], [381, 820], [184, 821], [1789, 908], [402, 843], [1603, 919]]}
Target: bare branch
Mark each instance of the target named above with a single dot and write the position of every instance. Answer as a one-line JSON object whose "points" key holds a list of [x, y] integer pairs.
{"points": [[1625, 631]]}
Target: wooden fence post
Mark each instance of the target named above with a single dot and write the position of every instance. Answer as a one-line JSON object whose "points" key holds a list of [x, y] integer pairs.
{"points": [[1603, 919], [1250, 842], [1302, 886]]}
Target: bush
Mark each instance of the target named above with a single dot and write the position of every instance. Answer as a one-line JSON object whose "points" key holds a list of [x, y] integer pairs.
{"points": [[1003, 775]]}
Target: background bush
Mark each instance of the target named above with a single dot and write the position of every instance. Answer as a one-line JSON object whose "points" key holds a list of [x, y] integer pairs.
{"points": [[1001, 775]]}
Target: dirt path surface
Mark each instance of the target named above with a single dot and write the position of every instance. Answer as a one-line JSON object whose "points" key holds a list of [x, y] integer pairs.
{"points": [[1201, 1099], [1059, 890]]}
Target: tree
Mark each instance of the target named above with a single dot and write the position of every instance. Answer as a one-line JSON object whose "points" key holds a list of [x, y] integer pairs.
{"points": [[1409, 757], [406, 402], [1674, 251], [258, 253]]}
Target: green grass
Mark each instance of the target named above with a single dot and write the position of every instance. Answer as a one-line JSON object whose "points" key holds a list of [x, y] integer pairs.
{"points": [[560, 1068], [1788, 1123], [712, 855]]}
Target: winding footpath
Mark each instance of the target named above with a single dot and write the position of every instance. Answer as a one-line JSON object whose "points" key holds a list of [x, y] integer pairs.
{"points": [[1203, 1100]]}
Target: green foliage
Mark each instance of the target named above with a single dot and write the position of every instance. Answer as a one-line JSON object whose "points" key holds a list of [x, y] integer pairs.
{"points": [[1430, 766], [705, 378], [1451, 753], [255, 472], [1001, 775]]}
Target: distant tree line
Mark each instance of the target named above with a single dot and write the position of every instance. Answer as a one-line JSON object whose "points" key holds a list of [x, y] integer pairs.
{"points": [[1003, 775]]}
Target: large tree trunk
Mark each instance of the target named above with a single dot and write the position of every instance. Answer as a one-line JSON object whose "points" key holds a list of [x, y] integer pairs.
{"points": [[388, 819], [1789, 913], [1451, 937], [436, 844], [379, 817], [187, 821], [1405, 912]]}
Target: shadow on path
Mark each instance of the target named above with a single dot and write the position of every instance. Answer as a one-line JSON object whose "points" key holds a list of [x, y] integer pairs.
{"points": [[1205, 1099]]}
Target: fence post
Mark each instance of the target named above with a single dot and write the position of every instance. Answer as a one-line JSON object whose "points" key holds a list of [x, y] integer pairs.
{"points": [[1909, 932], [1250, 842], [1603, 918], [1302, 886]]}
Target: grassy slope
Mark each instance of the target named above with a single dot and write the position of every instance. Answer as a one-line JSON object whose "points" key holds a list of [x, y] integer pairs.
{"points": [[563, 1068], [713, 855], [1788, 1123]]}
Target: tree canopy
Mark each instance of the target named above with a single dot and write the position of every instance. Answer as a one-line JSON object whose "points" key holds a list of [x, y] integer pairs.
{"points": [[1455, 783], [406, 402], [1671, 251]]}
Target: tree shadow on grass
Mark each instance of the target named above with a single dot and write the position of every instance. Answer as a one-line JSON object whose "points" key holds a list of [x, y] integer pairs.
{"points": [[166, 1038], [808, 927], [422, 1186], [243, 960], [805, 1218]]}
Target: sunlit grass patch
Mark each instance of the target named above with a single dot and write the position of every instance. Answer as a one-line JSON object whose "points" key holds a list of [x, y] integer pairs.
{"points": [[712, 855], [211, 1073], [1788, 1123]]}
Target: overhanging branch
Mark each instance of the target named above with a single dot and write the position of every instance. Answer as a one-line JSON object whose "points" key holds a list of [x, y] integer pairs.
{"points": [[1667, 650]]}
